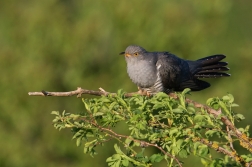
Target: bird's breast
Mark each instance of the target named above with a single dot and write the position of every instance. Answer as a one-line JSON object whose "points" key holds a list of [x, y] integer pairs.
{"points": [[143, 73]]}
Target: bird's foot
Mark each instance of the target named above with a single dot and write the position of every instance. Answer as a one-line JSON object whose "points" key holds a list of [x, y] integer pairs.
{"points": [[142, 91], [145, 92]]}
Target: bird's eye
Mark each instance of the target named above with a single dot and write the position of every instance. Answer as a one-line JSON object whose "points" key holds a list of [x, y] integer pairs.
{"points": [[136, 54]]}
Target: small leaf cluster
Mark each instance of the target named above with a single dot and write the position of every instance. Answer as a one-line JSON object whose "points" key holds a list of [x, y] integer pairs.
{"points": [[174, 127]]}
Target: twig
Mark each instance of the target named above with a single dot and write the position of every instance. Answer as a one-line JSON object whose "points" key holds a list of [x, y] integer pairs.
{"points": [[249, 164], [79, 91], [216, 147], [230, 139]]}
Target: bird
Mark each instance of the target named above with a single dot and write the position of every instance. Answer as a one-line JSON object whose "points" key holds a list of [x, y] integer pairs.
{"points": [[155, 72]]}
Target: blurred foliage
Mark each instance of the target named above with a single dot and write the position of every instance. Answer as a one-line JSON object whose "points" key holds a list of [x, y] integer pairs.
{"points": [[57, 45]]}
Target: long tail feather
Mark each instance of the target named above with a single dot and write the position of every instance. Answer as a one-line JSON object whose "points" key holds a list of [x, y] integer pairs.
{"points": [[211, 75], [218, 69], [211, 67], [211, 59]]}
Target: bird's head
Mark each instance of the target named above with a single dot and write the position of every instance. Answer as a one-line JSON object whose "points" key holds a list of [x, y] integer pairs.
{"points": [[133, 51]]}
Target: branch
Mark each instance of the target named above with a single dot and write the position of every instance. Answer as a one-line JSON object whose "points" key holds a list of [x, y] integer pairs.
{"points": [[142, 143], [245, 141], [216, 147], [113, 134], [79, 91]]}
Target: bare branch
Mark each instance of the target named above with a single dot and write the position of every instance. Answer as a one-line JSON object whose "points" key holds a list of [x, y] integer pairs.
{"points": [[79, 91], [230, 139]]}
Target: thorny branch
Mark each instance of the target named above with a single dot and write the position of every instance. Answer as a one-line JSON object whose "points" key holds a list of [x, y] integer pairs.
{"points": [[245, 141]]}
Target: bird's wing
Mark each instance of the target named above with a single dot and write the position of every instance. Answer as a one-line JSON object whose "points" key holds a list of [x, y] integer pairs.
{"points": [[173, 70], [176, 75]]}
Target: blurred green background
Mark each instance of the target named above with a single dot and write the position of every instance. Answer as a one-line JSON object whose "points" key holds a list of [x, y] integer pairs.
{"points": [[57, 45]]}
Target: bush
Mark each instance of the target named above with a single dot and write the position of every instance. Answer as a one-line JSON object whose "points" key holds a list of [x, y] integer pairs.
{"points": [[172, 124]]}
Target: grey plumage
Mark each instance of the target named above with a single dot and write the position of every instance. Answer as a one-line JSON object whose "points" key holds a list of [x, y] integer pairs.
{"points": [[163, 71]]}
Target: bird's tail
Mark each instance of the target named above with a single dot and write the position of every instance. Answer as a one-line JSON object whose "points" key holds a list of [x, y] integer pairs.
{"points": [[208, 67], [211, 67]]}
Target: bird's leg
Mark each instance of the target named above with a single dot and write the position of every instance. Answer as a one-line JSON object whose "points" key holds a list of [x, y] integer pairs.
{"points": [[142, 91], [149, 94]]}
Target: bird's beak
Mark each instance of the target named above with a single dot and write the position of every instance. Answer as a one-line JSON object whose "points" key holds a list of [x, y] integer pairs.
{"points": [[126, 54]]}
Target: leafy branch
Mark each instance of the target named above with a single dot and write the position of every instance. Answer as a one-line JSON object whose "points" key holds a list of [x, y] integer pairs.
{"points": [[141, 143], [173, 124]]}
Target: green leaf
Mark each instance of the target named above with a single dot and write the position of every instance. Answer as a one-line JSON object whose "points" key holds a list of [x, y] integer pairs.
{"points": [[224, 107], [122, 102], [203, 150], [209, 101], [210, 133], [191, 109], [78, 141], [89, 134], [183, 153], [179, 143], [78, 133], [178, 110], [86, 105], [116, 156], [234, 105], [125, 162], [120, 93], [226, 98], [105, 99], [247, 128], [128, 141], [89, 147], [173, 131], [55, 112], [117, 149], [229, 98], [175, 149], [111, 106], [161, 95], [199, 118], [98, 114], [239, 117], [190, 120], [204, 161], [114, 161], [158, 105], [196, 145], [156, 158], [186, 91], [74, 116]]}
